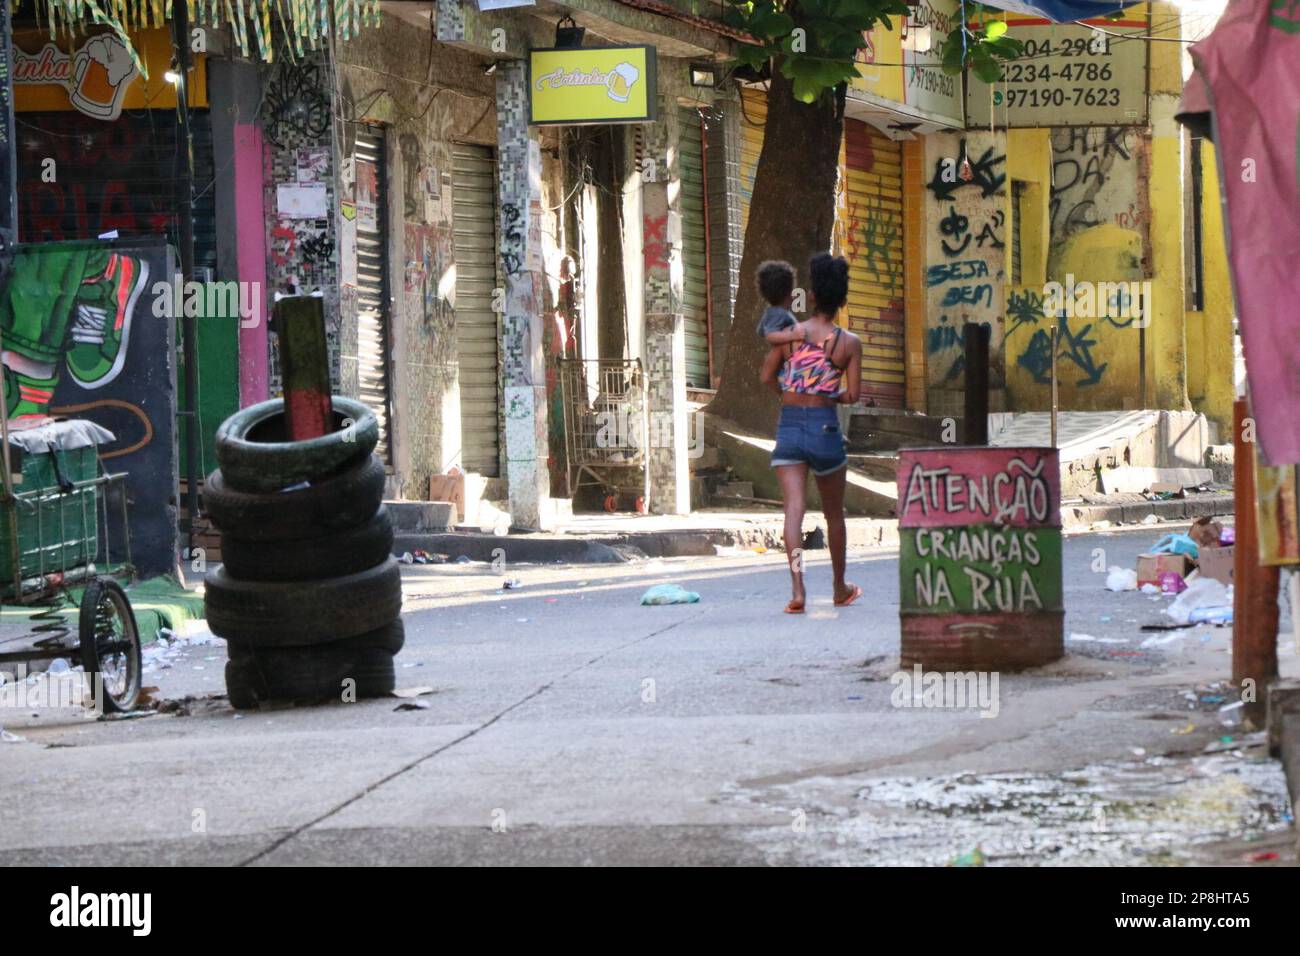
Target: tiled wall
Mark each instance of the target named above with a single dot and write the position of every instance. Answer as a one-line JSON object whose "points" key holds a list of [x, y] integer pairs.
{"points": [[299, 182]]}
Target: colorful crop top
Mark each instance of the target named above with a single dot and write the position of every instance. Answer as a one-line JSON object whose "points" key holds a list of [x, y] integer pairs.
{"points": [[810, 371]]}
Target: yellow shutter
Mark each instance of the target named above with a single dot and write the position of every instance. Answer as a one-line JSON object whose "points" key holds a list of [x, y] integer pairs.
{"points": [[753, 120], [873, 244]]}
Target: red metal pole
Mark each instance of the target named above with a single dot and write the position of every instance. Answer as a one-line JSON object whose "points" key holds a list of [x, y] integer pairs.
{"points": [[1254, 594], [299, 322]]}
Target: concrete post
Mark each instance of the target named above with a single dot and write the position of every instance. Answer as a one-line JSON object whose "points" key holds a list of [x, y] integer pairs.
{"points": [[665, 324], [520, 250], [235, 92]]}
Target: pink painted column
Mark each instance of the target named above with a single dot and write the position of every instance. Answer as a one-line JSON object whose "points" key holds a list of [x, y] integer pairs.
{"points": [[250, 214]]}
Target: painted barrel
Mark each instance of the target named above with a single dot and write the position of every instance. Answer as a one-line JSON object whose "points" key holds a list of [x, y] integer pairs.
{"points": [[980, 558]]}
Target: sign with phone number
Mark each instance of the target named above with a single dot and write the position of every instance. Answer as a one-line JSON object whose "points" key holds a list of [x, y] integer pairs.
{"points": [[1068, 75]]}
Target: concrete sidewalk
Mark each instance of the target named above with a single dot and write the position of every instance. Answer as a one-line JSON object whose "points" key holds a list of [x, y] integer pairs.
{"points": [[608, 539]]}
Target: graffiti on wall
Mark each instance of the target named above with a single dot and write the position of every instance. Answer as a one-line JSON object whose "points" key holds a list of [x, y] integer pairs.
{"points": [[298, 164], [430, 274], [1080, 347], [1099, 234], [872, 232], [961, 169], [966, 251], [655, 246], [86, 336], [296, 106], [512, 239], [1094, 179]]}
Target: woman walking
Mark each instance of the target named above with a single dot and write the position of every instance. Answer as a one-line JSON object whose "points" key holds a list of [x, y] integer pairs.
{"points": [[814, 376]]}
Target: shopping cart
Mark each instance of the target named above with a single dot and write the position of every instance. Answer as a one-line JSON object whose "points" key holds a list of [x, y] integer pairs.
{"points": [[53, 507], [606, 428]]}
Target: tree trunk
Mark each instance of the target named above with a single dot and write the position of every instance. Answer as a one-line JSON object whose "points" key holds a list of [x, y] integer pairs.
{"points": [[791, 217]]}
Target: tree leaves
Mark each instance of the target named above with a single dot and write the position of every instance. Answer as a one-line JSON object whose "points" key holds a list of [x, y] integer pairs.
{"points": [[981, 50], [815, 42], [771, 25]]}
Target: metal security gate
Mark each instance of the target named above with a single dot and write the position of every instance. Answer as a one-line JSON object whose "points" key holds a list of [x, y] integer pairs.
{"points": [[477, 341], [695, 298], [374, 302], [874, 247], [80, 177]]}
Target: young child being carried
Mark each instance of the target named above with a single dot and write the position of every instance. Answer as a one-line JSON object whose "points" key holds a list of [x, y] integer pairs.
{"points": [[776, 285]]}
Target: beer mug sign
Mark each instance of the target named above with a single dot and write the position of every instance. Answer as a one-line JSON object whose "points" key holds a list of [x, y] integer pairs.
{"points": [[101, 72], [618, 84]]}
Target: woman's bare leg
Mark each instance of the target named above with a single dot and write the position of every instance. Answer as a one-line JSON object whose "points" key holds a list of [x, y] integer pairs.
{"points": [[794, 479], [831, 489]]}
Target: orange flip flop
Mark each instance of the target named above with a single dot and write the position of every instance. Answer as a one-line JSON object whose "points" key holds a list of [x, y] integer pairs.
{"points": [[794, 607], [857, 593]]}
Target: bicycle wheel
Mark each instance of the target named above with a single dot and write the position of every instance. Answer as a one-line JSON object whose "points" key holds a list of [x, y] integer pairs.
{"points": [[110, 644]]}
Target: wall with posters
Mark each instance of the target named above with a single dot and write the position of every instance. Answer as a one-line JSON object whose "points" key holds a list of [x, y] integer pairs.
{"points": [[299, 187], [425, 102]]}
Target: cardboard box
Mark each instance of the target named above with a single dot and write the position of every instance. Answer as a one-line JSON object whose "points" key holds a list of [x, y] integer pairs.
{"points": [[449, 488], [1216, 563], [1151, 566]]}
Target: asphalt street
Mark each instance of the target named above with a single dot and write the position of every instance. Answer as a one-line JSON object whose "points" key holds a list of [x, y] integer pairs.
{"points": [[564, 723]]}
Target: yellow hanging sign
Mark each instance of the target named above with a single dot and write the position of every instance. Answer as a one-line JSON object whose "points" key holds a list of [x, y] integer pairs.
{"points": [[614, 84]]}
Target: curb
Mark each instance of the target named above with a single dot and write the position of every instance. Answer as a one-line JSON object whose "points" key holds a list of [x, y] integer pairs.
{"points": [[1213, 505], [542, 548]]}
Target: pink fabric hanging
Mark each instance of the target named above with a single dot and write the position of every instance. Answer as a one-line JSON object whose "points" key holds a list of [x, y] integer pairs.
{"points": [[1250, 66]]}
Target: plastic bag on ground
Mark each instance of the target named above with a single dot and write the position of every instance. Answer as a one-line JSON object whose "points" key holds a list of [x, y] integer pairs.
{"points": [[1121, 579], [669, 594], [1176, 544], [1201, 592]]}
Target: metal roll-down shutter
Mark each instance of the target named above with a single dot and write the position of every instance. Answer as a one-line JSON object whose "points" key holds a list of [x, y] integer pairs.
{"points": [[695, 300], [874, 248], [477, 341], [374, 302]]}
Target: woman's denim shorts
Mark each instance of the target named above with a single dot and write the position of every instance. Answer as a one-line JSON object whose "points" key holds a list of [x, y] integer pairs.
{"points": [[809, 436]]}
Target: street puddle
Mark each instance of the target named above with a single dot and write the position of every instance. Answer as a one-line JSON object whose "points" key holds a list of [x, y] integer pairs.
{"points": [[1160, 811]]}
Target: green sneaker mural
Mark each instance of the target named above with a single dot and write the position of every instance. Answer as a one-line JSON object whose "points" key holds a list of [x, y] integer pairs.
{"points": [[102, 323], [27, 397], [73, 306]]}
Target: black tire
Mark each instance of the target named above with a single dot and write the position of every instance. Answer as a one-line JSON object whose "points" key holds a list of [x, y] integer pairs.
{"points": [[110, 643], [240, 686], [309, 559], [340, 501], [390, 638], [342, 672], [296, 614], [254, 455]]}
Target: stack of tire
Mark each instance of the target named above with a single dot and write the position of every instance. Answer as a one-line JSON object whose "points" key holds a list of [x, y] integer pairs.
{"points": [[308, 596]]}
